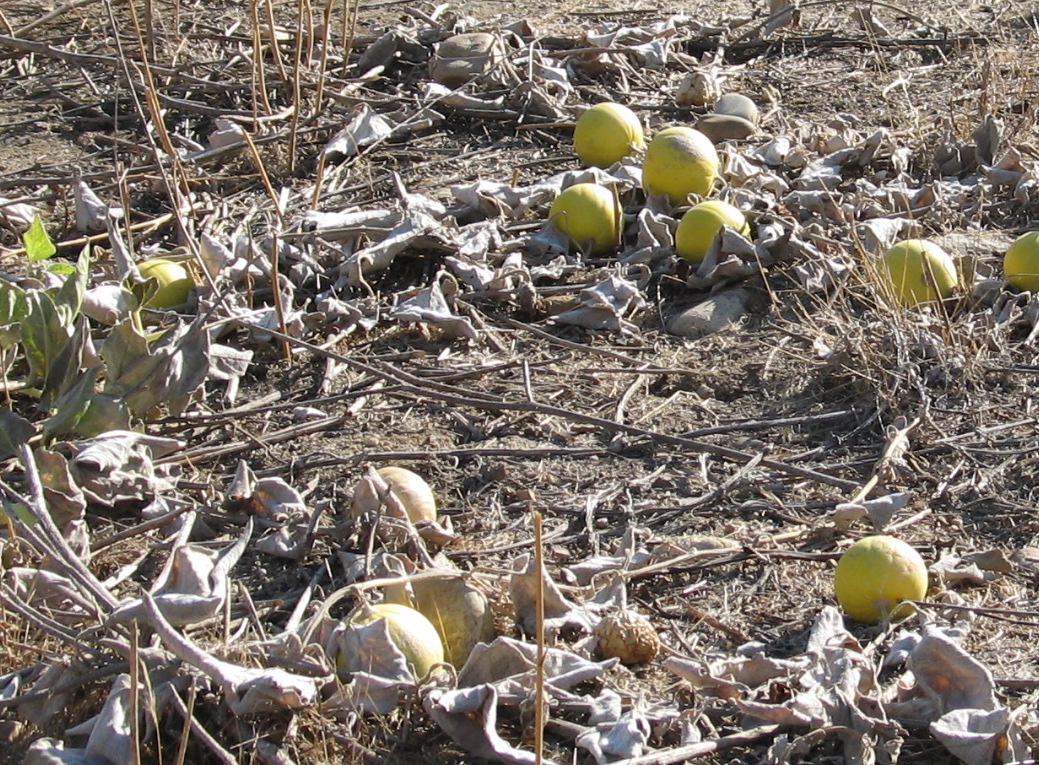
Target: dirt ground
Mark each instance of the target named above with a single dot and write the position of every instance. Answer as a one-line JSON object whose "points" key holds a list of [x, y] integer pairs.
{"points": [[753, 434]]}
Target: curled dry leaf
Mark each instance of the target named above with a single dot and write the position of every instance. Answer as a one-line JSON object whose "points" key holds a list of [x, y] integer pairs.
{"points": [[470, 717], [606, 305], [429, 306], [194, 584], [248, 690], [118, 466], [879, 511], [700, 88], [624, 738], [559, 611]]}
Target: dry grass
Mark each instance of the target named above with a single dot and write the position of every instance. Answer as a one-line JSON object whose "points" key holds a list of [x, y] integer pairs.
{"points": [[838, 370]]}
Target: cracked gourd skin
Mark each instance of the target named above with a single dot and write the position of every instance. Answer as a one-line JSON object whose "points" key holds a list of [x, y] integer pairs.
{"points": [[410, 631], [919, 272], [458, 611], [875, 575], [680, 161], [590, 216], [606, 133]]}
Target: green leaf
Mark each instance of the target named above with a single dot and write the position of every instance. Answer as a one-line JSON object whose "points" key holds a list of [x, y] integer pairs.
{"points": [[72, 406], [38, 245], [15, 430], [12, 311], [85, 413], [12, 303], [64, 369], [20, 512], [44, 334], [104, 413], [69, 299]]}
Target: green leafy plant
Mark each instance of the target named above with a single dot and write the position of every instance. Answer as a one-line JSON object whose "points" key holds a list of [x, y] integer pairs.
{"points": [[81, 392]]}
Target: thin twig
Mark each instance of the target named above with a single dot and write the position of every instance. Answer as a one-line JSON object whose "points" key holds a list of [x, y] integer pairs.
{"points": [[57, 13], [201, 733], [461, 397], [691, 751], [44, 623], [539, 669], [79, 680]]}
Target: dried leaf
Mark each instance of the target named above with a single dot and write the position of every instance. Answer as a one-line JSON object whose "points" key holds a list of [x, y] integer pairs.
{"points": [[194, 584], [49, 751], [112, 733], [627, 737], [17, 216], [109, 304], [50, 591], [227, 133], [40, 711], [414, 229], [91, 212], [470, 717], [368, 648], [65, 500], [972, 734], [366, 128], [879, 510], [510, 664], [430, 306], [248, 690], [949, 676], [118, 466], [605, 305], [559, 611]]}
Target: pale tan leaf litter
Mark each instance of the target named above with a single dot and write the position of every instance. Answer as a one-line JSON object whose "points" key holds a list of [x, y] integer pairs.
{"points": [[433, 320]]}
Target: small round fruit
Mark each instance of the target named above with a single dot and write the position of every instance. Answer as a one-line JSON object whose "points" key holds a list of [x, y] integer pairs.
{"points": [[175, 282], [680, 161], [1021, 262], [410, 631], [457, 609], [590, 216], [627, 636], [606, 133], [411, 489], [875, 575], [701, 224], [920, 271]]}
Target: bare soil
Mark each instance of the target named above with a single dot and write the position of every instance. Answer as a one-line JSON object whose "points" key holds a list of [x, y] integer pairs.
{"points": [[600, 456]]}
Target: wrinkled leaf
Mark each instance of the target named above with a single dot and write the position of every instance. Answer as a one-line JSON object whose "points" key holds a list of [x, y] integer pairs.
{"points": [[470, 717], [950, 676], [194, 584], [44, 334], [972, 734], [69, 298], [148, 374], [248, 690], [15, 430]]}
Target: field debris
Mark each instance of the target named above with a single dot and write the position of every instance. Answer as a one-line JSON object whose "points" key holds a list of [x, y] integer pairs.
{"points": [[361, 272]]}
